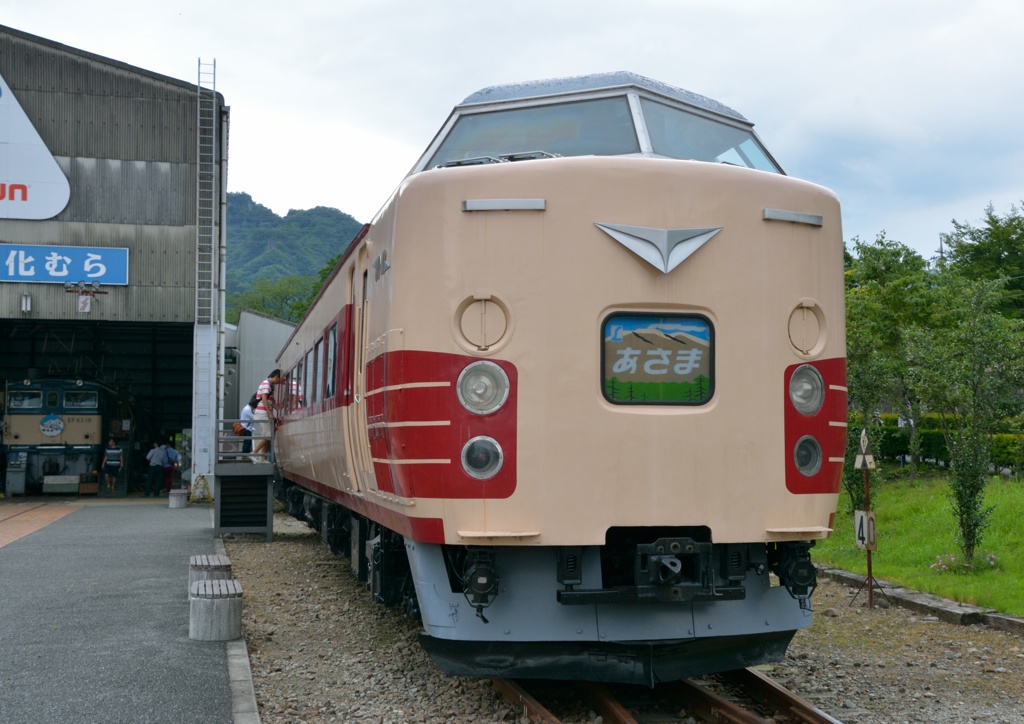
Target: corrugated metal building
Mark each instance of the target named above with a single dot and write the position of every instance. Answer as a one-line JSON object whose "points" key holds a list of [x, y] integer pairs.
{"points": [[142, 221]]}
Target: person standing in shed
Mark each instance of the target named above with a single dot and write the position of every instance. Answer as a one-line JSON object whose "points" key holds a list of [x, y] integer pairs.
{"points": [[170, 465], [155, 476], [111, 465]]}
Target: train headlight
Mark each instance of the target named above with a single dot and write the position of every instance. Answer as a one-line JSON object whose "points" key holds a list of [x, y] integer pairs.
{"points": [[807, 455], [482, 387], [482, 458], [806, 390]]}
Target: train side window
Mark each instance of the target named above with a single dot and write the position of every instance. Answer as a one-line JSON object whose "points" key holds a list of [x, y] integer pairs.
{"points": [[292, 397], [655, 359], [297, 385], [318, 372], [331, 366], [307, 386]]}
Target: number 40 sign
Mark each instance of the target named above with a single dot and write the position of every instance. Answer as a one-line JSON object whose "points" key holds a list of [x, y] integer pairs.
{"points": [[864, 529]]}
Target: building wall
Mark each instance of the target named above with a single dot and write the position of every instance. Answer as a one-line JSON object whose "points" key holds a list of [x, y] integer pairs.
{"points": [[126, 140], [260, 339]]}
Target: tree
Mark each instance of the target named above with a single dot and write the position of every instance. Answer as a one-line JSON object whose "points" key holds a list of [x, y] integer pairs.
{"points": [[287, 298], [965, 360], [886, 286], [992, 251]]}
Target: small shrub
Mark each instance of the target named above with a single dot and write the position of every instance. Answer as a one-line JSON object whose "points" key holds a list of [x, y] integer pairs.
{"points": [[950, 563]]}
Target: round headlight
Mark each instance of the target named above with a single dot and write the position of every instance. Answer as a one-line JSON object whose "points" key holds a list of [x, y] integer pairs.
{"points": [[482, 458], [807, 455], [482, 387], [807, 389]]}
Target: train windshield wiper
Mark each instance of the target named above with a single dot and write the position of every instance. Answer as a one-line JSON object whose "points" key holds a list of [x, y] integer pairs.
{"points": [[527, 155], [475, 161], [500, 158]]}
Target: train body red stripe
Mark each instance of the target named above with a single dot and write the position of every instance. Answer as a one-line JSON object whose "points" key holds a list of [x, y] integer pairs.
{"points": [[423, 530], [419, 427], [827, 426]]}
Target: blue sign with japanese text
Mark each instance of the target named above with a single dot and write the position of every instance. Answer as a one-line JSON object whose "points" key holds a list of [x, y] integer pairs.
{"points": [[60, 264]]}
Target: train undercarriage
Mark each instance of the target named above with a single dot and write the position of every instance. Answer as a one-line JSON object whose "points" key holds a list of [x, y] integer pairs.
{"points": [[651, 605]]}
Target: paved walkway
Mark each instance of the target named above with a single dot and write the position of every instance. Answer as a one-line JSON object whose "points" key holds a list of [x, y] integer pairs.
{"points": [[94, 616]]}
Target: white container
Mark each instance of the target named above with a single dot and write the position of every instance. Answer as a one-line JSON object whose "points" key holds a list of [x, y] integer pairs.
{"points": [[177, 498]]}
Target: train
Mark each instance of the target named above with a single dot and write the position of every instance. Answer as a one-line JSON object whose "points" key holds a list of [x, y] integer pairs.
{"points": [[53, 433], [576, 397]]}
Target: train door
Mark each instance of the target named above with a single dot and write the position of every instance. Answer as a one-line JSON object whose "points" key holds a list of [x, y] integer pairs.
{"points": [[358, 443]]}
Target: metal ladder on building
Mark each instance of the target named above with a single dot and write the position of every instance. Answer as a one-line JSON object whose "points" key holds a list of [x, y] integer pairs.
{"points": [[206, 193], [205, 375]]}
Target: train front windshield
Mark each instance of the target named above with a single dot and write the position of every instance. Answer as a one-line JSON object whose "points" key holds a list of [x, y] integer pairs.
{"points": [[584, 128], [77, 400], [678, 134], [602, 127], [25, 400]]}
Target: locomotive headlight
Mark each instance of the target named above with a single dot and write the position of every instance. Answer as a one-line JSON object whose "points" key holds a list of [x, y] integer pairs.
{"points": [[807, 455], [806, 389], [482, 458], [482, 387]]}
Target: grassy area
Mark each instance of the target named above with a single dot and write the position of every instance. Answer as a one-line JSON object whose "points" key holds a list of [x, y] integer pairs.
{"points": [[915, 526]]}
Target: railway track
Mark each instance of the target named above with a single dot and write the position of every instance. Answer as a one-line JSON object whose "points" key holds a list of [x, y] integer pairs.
{"points": [[743, 696]]}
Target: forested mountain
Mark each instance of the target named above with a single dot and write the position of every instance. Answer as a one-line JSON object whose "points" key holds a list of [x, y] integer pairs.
{"points": [[264, 246]]}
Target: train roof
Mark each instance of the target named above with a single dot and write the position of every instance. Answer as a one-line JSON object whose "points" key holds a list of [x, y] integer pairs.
{"points": [[593, 82]]}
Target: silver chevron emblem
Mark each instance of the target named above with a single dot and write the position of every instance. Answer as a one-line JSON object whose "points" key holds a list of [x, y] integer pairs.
{"points": [[665, 249]]}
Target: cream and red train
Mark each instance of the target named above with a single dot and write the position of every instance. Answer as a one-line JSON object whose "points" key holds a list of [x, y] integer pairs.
{"points": [[577, 395]]}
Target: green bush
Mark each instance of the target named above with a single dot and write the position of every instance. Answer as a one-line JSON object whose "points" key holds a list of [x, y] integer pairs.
{"points": [[895, 441], [889, 442], [933, 446], [1007, 451]]}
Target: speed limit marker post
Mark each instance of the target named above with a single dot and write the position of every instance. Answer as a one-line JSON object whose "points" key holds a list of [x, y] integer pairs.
{"points": [[864, 520], [864, 530]]}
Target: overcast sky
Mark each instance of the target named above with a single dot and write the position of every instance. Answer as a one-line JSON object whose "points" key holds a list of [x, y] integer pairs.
{"points": [[910, 110]]}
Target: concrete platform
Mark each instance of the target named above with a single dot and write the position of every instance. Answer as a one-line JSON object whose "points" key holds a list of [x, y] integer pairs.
{"points": [[963, 614], [94, 623]]}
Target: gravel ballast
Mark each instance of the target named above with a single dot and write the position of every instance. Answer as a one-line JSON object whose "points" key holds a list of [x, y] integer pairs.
{"points": [[321, 651]]}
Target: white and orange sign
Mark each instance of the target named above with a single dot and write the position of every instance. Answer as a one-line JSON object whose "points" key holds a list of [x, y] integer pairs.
{"points": [[32, 185]]}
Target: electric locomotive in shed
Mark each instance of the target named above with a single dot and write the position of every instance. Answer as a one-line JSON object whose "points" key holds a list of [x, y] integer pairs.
{"points": [[52, 433], [576, 396]]}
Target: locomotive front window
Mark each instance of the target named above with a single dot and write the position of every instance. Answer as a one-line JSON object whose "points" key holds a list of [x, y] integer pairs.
{"points": [[601, 127], [79, 400], [649, 359], [26, 400], [678, 134]]}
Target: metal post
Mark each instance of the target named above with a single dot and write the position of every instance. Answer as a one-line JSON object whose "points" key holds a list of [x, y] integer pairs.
{"points": [[867, 509]]}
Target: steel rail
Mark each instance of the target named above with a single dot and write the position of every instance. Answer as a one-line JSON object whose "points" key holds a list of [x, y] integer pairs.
{"points": [[785, 701], [532, 709], [710, 706], [610, 707]]}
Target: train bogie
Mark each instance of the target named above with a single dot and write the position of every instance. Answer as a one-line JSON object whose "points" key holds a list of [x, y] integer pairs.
{"points": [[600, 397]]}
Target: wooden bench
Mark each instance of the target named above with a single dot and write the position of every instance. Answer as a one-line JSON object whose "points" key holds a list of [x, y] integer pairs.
{"points": [[208, 568], [215, 610]]}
